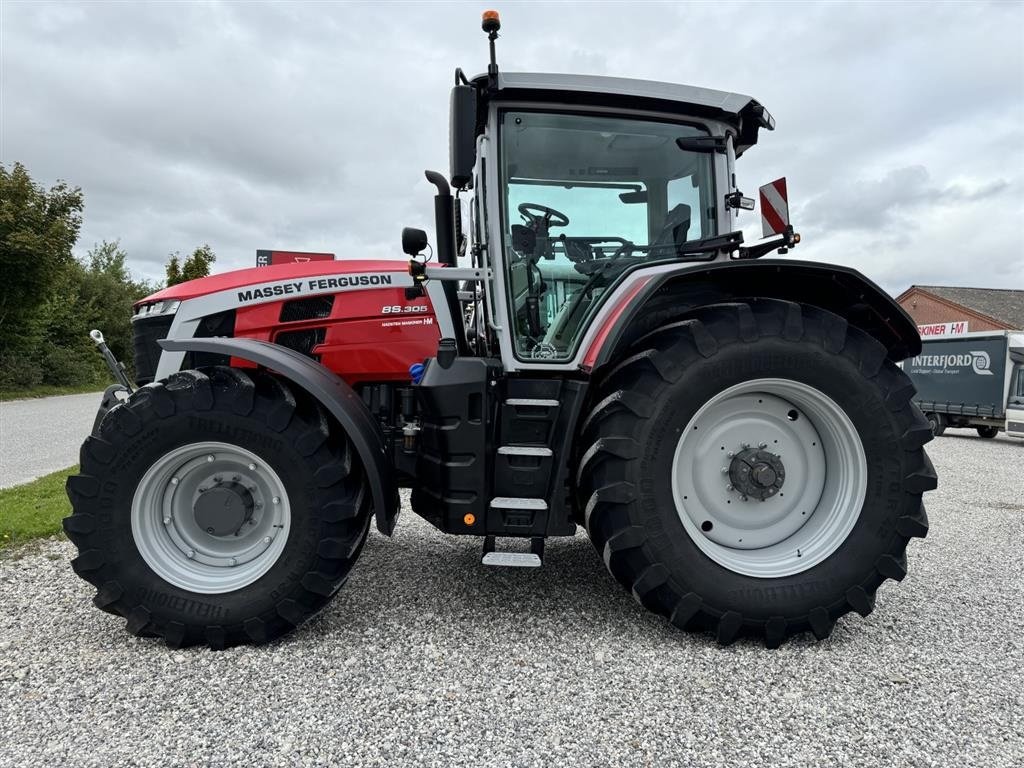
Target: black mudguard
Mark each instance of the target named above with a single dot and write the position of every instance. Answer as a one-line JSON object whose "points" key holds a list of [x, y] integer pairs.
{"points": [[841, 290], [332, 393]]}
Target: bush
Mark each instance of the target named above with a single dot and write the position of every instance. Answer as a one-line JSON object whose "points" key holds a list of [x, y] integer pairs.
{"points": [[49, 300], [19, 371], [73, 367]]}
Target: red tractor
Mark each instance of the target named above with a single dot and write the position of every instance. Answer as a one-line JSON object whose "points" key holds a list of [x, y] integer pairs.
{"points": [[732, 431]]}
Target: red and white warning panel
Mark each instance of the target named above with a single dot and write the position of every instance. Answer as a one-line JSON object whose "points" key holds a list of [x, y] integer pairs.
{"points": [[774, 208], [266, 258]]}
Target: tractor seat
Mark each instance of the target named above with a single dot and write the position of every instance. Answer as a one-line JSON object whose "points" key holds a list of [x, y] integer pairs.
{"points": [[675, 230]]}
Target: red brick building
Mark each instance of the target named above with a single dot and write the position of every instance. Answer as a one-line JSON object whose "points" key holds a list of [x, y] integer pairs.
{"points": [[964, 309]]}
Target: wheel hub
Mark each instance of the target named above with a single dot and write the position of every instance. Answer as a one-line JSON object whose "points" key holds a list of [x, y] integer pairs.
{"points": [[224, 509], [769, 477], [757, 473], [210, 517]]}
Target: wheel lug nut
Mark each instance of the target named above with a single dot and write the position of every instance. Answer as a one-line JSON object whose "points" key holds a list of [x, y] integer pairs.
{"points": [[762, 445], [167, 521], [728, 487], [277, 499], [730, 454], [190, 554], [252, 467], [266, 540], [725, 470], [174, 481], [232, 561], [746, 446], [217, 478]]}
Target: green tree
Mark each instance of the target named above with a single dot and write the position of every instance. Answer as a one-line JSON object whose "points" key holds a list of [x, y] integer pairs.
{"points": [[195, 266], [173, 270], [38, 229], [106, 295], [198, 264], [97, 292]]}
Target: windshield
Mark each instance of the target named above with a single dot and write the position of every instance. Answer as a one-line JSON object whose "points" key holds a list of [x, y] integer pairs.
{"points": [[585, 198]]}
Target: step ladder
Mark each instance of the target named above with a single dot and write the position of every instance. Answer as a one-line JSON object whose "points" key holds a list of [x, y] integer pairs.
{"points": [[505, 559]]}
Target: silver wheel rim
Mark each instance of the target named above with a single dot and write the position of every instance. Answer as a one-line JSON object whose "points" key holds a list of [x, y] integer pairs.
{"points": [[810, 509], [167, 521]]}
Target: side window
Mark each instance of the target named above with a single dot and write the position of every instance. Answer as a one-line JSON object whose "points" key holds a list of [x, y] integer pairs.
{"points": [[1017, 391], [686, 191]]}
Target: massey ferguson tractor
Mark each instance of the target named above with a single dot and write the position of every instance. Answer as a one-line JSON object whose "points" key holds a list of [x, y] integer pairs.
{"points": [[587, 342]]}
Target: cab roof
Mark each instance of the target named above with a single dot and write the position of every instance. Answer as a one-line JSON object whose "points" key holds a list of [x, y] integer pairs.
{"points": [[745, 114]]}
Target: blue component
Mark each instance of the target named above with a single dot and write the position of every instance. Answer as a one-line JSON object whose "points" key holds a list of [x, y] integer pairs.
{"points": [[416, 372]]}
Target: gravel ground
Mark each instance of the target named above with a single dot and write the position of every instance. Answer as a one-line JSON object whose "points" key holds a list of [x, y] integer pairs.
{"points": [[41, 435], [427, 658]]}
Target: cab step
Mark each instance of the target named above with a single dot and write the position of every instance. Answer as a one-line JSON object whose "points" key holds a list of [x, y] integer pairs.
{"points": [[532, 559], [522, 515]]}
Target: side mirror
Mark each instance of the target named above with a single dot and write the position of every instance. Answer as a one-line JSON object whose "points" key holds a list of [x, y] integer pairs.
{"points": [[413, 241], [701, 143], [462, 135], [636, 196]]}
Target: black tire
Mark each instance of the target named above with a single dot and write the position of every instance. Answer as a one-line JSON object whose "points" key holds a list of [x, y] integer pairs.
{"points": [[258, 412], [988, 432], [937, 423], [649, 397]]}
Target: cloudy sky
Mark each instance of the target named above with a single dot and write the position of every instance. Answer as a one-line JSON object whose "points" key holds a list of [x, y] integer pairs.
{"points": [[306, 126]]}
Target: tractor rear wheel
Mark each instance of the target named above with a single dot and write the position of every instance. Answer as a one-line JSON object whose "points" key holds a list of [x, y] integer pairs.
{"points": [[217, 507], [755, 469]]}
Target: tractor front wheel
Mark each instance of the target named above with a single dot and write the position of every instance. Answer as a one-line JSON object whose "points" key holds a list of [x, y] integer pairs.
{"points": [[755, 469], [216, 507]]}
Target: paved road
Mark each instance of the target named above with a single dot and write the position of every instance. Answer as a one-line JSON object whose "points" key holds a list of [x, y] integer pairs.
{"points": [[428, 658], [43, 435]]}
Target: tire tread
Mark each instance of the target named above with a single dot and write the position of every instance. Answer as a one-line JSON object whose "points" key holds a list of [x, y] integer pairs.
{"points": [[257, 395], [625, 396]]}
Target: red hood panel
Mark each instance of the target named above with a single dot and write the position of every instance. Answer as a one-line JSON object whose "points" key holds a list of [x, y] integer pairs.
{"points": [[243, 277]]}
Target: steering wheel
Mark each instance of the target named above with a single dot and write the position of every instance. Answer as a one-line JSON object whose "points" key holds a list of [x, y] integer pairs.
{"points": [[536, 214]]}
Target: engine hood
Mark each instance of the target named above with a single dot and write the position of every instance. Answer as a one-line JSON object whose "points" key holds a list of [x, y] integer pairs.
{"points": [[240, 278]]}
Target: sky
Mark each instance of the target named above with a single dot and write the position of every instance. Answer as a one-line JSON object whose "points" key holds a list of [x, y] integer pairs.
{"points": [[307, 126]]}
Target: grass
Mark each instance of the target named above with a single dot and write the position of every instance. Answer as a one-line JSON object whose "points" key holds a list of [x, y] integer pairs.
{"points": [[47, 390], [33, 510]]}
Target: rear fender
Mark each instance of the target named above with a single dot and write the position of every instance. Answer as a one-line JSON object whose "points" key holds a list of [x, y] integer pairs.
{"points": [[332, 393], [841, 290]]}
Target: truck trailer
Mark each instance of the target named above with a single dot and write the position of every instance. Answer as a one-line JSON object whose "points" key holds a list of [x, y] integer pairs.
{"points": [[975, 381]]}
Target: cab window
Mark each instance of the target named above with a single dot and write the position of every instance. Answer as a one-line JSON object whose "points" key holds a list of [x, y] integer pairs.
{"points": [[584, 198]]}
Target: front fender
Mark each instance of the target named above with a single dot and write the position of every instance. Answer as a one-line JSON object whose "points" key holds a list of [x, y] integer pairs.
{"points": [[332, 393], [841, 290]]}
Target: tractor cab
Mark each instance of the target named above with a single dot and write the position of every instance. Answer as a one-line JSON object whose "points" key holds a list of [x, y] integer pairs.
{"points": [[573, 183]]}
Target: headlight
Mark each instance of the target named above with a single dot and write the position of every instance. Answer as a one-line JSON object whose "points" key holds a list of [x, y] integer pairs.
{"points": [[165, 307]]}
